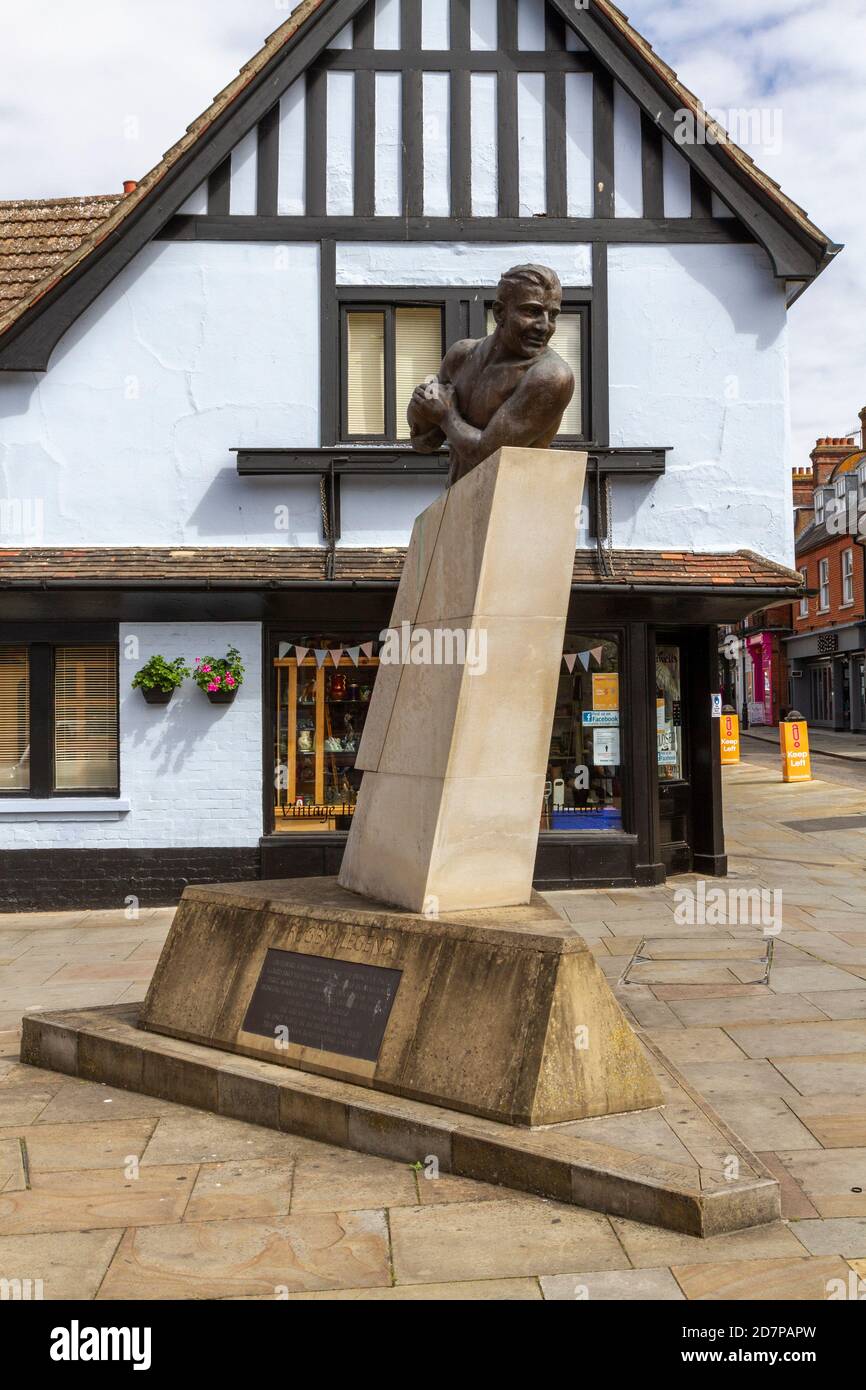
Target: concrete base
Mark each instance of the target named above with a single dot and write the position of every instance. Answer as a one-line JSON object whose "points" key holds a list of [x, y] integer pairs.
{"points": [[502, 1012], [571, 1163]]}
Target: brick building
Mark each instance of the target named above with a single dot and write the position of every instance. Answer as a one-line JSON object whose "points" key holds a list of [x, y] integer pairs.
{"points": [[827, 647]]}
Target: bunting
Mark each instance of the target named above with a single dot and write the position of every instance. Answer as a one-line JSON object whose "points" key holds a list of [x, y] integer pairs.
{"points": [[595, 654]]}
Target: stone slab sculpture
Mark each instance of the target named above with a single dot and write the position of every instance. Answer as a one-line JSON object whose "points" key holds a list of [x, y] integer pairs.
{"points": [[431, 970]]}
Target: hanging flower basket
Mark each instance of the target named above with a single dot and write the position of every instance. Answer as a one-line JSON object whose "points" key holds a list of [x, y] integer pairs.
{"points": [[219, 677], [158, 679]]}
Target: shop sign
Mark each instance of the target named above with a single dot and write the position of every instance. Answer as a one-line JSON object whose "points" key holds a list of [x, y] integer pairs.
{"points": [[593, 717]]}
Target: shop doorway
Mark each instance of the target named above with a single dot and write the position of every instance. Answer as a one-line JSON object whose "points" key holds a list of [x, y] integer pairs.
{"points": [[673, 771]]}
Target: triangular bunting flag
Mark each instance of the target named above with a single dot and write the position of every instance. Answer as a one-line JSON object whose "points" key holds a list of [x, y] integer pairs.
{"points": [[570, 658], [367, 648], [335, 655], [596, 653], [283, 650], [584, 660], [353, 653], [321, 655], [300, 653]]}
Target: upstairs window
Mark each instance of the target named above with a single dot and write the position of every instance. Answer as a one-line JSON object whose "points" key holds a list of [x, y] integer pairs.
{"points": [[570, 341], [847, 576], [387, 350], [58, 720], [819, 506], [804, 601], [823, 585]]}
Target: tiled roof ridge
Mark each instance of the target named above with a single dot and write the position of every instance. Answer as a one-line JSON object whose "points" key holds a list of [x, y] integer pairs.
{"points": [[223, 566]]}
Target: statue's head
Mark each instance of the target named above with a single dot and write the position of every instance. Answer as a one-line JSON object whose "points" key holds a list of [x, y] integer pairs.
{"points": [[527, 304]]}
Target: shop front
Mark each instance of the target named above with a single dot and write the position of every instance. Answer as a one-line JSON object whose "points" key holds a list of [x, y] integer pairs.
{"points": [[632, 791], [828, 677]]}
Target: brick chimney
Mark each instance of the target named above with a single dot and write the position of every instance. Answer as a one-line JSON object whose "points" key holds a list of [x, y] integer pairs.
{"points": [[827, 453], [802, 480]]}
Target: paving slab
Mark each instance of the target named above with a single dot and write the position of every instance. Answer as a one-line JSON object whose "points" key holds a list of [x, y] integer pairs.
{"points": [[70, 1264], [221, 1259], [501, 1239], [762, 1280], [613, 1286], [95, 1199]]}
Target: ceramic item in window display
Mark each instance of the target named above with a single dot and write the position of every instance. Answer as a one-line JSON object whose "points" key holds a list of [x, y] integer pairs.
{"points": [[366, 692], [333, 744], [306, 741], [308, 694], [559, 792], [352, 693], [338, 686]]}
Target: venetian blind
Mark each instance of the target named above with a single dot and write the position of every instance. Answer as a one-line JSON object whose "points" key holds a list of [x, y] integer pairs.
{"points": [[85, 718], [365, 396], [418, 351], [14, 719], [566, 341]]}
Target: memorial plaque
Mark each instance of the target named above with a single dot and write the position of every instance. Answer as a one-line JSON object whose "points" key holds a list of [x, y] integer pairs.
{"points": [[331, 1005]]}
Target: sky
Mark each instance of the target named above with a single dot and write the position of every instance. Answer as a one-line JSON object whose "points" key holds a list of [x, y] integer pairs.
{"points": [[93, 91]]}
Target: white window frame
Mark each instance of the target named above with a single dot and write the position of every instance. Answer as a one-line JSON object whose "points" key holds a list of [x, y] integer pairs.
{"points": [[824, 586], [847, 578], [819, 506], [804, 601]]}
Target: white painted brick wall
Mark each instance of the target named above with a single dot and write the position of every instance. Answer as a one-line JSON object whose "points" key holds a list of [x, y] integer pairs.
{"points": [[192, 771]]}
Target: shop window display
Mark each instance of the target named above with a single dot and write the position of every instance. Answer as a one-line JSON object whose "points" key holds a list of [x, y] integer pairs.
{"points": [[320, 714], [583, 790]]}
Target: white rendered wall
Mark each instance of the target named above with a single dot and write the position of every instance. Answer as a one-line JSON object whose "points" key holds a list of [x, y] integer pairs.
{"points": [[698, 360], [190, 771], [196, 348]]}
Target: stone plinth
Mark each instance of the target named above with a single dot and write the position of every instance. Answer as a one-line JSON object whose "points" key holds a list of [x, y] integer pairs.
{"points": [[503, 1013], [455, 753]]}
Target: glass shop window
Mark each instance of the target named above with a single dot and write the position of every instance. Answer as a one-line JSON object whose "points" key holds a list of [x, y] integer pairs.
{"points": [[583, 789], [320, 706], [669, 721]]}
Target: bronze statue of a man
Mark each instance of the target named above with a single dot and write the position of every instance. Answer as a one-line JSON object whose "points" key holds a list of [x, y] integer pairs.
{"points": [[507, 388]]}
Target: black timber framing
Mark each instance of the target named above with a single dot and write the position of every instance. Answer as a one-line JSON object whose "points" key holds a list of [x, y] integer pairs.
{"points": [[219, 189], [268, 162], [554, 144], [616, 230], [652, 168], [602, 146], [451, 60], [365, 148], [315, 134], [792, 251], [795, 253], [412, 114]]}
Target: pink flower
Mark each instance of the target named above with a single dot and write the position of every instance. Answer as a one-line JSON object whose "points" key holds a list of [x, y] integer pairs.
{"points": [[197, 660], [205, 668], [230, 681], [214, 684]]}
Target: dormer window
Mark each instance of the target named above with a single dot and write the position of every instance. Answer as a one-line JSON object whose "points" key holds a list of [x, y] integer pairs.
{"points": [[841, 487], [819, 506], [861, 481]]}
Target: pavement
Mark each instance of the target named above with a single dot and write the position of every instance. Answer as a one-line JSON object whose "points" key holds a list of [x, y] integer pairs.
{"points": [[106, 1194]]}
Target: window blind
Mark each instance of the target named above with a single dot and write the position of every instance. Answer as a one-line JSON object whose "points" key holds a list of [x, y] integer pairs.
{"points": [[418, 351], [85, 718], [565, 341], [14, 719], [365, 396]]}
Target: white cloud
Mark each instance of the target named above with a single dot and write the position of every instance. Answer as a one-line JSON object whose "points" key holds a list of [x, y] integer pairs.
{"points": [[93, 93]]}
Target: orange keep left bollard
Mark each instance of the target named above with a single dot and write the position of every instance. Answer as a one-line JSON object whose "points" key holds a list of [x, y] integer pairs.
{"points": [[729, 739], [794, 741]]}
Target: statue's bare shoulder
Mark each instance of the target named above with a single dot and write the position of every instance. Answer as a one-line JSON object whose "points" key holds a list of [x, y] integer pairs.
{"points": [[457, 356]]}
